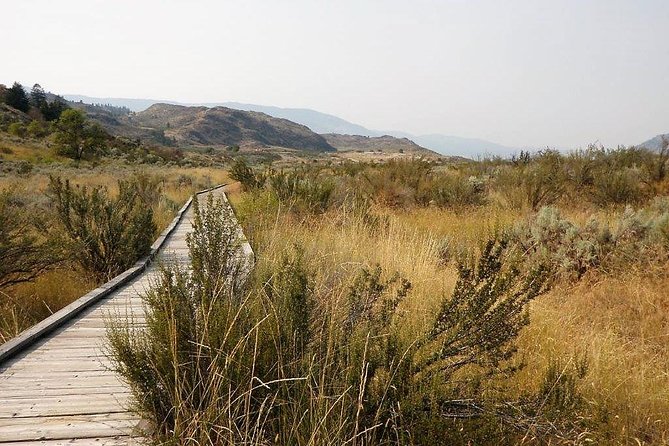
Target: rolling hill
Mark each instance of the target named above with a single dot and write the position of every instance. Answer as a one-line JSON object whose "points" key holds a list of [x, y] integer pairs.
{"points": [[325, 123], [226, 126], [386, 144], [203, 126]]}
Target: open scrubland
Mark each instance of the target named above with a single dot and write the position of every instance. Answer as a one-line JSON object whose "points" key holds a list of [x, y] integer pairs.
{"points": [[411, 301], [512, 302], [42, 257]]}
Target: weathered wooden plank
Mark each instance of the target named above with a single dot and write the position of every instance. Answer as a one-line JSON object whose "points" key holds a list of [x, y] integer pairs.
{"points": [[38, 392], [64, 405], [73, 383], [99, 441], [68, 427], [28, 375], [48, 366]]}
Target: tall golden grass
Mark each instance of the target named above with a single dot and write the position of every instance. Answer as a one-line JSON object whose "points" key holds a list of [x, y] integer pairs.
{"points": [[616, 321]]}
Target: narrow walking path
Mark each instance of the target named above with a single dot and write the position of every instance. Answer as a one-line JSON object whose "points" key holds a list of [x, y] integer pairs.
{"points": [[61, 390]]}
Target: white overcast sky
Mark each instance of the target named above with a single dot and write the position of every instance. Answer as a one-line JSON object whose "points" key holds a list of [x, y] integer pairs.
{"points": [[522, 72]]}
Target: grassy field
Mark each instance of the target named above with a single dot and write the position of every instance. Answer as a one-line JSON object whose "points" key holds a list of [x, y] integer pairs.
{"points": [[615, 322]]}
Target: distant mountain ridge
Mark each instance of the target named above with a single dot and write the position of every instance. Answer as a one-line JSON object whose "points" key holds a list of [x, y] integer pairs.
{"points": [[656, 142], [324, 123], [203, 126]]}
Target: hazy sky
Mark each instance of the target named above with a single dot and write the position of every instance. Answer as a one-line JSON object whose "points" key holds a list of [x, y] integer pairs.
{"points": [[523, 72]]}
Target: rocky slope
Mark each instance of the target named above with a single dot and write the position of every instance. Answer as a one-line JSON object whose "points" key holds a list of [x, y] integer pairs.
{"points": [[226, 126]]}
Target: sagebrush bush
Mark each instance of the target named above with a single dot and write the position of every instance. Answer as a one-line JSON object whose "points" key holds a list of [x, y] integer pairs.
{"points": [[539, 182], [570, 250], [108, 234], [451, 191], [242, 172], [565, 248], [616, 187], [191, 368]]}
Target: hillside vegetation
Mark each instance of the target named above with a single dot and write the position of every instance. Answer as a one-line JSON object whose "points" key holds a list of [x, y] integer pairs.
{"points": [[385, 144]]}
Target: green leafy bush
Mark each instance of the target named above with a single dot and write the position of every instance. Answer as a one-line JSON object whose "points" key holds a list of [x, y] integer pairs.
{"points": [[36, 129], [75, 136]]}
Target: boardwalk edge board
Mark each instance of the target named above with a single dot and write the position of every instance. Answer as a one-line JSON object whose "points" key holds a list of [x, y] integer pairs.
{"points": [[67, 313]]}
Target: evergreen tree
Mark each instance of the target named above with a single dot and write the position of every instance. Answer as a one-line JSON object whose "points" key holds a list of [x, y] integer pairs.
{"points": [[16, 97], [52, 110], [38, 97]]}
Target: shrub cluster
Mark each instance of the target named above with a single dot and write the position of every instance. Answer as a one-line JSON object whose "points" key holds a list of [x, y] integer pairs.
{"points": [[602, 177], [273, 360], [109, 234], [571, 250], [596, 176]]}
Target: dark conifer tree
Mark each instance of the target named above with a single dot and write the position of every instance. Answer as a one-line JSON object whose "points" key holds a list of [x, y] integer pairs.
{"points": [[16, 97], [38, 97]]}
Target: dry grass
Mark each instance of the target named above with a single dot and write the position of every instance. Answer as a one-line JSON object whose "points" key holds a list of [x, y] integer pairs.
{"points": [[31, 150], [29, 303], [618, 322]]}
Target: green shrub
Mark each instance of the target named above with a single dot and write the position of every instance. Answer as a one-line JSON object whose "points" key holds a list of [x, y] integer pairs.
{"points": [[616, 187], [75, 136], [242, 172], [540, 183], [297, 188], [479, 322], [17, 129], [36, 129], [565, 248], [570, 250], [192, 368], [452, 191], [108, 234], [559, 395]]}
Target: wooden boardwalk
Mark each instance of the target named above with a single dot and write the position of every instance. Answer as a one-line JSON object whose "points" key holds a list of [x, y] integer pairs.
{"points": [[60, 389]]}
